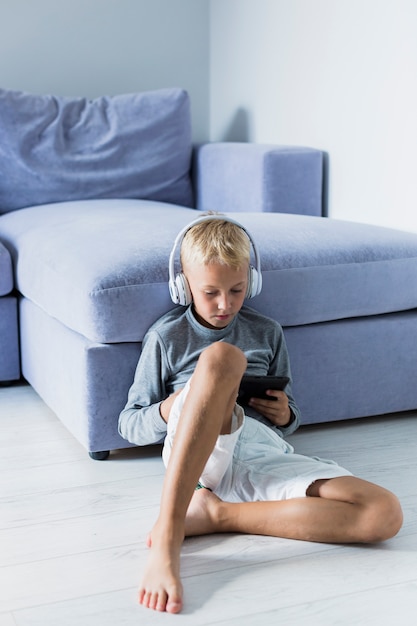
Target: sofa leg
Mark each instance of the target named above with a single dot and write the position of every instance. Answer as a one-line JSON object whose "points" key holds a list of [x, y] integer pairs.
{"points": [[99, 456]]}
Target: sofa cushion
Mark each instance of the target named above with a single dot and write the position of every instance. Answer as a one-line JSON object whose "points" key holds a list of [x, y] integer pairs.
{"points": [[128, 146], [6, 271], [101, 266], [321, 269]]}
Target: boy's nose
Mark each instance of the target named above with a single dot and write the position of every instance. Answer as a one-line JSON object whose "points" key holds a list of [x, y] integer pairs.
{"points": [[223, 303]]}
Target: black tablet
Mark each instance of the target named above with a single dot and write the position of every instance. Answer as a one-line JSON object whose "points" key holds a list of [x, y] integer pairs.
{"points": [[256, 386]]}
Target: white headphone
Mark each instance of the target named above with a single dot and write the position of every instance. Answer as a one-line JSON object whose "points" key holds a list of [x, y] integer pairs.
{"points": [[178, 284]]}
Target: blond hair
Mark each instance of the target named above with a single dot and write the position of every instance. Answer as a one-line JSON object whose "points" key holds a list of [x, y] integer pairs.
{"points": [[216, 241]]}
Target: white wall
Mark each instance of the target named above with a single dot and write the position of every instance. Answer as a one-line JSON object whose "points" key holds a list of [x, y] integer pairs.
{"points": [[96, 47], [340, 75]]}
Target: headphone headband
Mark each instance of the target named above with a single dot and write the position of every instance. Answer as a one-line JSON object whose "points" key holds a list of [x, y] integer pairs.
{"points": [[178, 284]]}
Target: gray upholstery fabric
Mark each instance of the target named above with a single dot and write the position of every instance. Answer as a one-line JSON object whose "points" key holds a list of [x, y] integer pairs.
{"points": [[9, 340], [259, 177], [6, 271], [54, 149], [116, 285]]}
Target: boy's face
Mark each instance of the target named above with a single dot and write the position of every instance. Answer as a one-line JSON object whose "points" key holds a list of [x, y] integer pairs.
{"points": [[218, 292]]}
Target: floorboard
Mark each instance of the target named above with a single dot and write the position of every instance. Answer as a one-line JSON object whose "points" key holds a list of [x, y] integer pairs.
{"points": [[73, 531]]}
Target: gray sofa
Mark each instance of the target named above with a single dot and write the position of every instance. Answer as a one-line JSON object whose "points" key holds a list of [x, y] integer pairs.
{"points": [[9, 337], [92, 194]]}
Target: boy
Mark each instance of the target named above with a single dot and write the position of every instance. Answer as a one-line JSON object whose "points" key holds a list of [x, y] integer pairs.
{"points": [[184, 394]]}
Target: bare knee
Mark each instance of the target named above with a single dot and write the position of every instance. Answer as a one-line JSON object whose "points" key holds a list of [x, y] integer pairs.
{"points": [[224, 361], [373, 514], [382, 518]]}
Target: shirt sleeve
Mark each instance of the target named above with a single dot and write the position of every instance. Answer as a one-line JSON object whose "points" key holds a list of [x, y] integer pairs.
{"points": [[140, 422], [280, 366]]}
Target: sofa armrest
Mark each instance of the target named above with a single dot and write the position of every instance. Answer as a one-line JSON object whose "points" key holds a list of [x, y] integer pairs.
{"points": [[256, 177]]}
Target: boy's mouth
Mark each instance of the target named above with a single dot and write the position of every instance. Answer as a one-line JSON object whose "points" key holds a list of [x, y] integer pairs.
{"points": [[224, 318]]}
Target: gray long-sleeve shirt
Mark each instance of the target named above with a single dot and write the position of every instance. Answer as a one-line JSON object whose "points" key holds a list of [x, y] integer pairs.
{"points": [[169, 356]]}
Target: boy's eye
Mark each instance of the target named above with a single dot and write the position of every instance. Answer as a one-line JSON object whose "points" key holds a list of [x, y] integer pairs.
{"points": [[214, 293]]}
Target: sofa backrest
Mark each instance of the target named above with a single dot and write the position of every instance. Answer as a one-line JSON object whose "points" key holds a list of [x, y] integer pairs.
{"points": [[56, 149]]}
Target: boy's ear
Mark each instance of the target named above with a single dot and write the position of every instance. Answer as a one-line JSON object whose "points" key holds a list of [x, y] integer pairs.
{"points": [[180, 290]]}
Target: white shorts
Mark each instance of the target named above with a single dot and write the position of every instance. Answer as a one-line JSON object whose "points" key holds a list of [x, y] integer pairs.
{"points": [[222, 455], [254, 463]]}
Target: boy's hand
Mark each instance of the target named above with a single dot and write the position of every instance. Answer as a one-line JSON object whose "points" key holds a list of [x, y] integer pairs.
{"points": [[276, 410], [166, 405]]}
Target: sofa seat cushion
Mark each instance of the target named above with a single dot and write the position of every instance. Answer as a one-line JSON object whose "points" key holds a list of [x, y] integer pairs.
{"points": [[6, 271], [101, 266], [321, 269], [98, 266], [127, 146]]}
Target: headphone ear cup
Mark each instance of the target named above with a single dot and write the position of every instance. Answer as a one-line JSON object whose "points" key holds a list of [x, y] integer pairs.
{"points": [[254, 282], [183, 290], [173, 291]]}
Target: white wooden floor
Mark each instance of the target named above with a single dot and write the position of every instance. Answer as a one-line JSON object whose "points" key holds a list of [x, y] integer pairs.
{"points": [[72, 535]]}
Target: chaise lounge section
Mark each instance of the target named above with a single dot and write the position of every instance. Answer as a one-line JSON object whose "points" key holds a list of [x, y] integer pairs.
{"points": [[93, 194]]}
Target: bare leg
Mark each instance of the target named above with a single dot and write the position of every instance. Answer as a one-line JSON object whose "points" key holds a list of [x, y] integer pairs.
{"points": [[207, 412], [342, 510]]}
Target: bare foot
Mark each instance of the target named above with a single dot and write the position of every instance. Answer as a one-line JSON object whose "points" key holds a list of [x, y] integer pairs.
{"points": [[161, 589], [203, 513]]}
